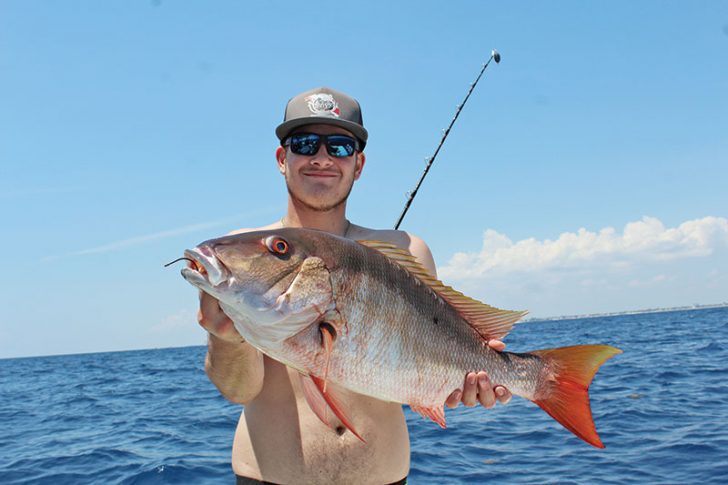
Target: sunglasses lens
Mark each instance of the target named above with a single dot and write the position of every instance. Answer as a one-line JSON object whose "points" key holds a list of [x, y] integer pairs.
{"points": [[340, 146], [308, 144], [305, 144]]}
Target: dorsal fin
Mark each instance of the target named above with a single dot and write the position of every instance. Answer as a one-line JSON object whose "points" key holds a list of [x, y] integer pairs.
{"points": [[488, 321]]}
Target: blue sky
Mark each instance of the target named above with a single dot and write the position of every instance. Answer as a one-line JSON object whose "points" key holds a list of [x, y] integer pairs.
{"points": [[587, 172]]}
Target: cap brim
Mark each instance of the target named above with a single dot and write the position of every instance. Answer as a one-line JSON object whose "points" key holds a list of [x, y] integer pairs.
{"points": [[286, 128]]}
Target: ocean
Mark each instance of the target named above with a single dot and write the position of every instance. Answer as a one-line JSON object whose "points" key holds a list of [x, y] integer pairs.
{"points": [[152, 416]]}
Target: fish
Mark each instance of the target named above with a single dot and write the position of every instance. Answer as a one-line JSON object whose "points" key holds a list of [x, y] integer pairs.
{"points": [[366, 317]]}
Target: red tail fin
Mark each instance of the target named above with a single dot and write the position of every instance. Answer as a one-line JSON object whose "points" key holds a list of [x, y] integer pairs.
{"points": [[564, 393]]}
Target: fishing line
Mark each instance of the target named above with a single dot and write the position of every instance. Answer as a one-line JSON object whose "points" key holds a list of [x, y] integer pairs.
{"points": [[494, 56]]}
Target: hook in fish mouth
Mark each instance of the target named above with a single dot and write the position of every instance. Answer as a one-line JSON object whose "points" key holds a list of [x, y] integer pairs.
{"points": [[204, 266], [193, 264], [180, 259]]}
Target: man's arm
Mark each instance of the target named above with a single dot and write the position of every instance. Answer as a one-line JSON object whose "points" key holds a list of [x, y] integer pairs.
{"points": [[477, 386], [235, 367]]}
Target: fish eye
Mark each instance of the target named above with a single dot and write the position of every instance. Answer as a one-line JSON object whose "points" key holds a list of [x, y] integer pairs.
{"points": [[277, 245]]}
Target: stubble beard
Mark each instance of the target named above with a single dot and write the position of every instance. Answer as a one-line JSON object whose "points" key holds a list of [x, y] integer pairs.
{"points": [[320, 207]]}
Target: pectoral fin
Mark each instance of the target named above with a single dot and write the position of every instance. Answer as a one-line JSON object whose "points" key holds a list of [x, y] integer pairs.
{"points": [[328, 334]]}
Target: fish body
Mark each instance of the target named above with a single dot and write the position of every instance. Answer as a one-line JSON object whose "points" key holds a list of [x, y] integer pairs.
{"points": [[367, 317]]}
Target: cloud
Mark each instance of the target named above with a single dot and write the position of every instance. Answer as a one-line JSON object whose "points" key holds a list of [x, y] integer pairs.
{"points": [[139, 240], [176, 329], [183, 320], [646, 265], [643, 241]]}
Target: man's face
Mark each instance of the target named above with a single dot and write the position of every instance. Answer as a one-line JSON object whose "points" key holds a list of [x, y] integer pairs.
{"points": [[319, 182]]}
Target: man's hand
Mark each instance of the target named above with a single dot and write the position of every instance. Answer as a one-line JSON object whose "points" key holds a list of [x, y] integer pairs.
{"points": [[478, 388], [213, 319]]}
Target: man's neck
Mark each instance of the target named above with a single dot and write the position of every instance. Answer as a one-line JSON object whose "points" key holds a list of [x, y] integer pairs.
{"points": [[333, 221]]}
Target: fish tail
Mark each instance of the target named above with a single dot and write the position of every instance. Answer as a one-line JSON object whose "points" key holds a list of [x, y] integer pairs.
{"points": [[564, 391]]}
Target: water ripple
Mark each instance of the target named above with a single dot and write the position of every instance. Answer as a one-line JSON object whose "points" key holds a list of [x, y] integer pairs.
{"points": [[153, 417]]}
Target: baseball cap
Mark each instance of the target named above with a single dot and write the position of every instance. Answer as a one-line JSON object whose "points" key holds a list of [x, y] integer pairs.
{"points": [[323, 106]]}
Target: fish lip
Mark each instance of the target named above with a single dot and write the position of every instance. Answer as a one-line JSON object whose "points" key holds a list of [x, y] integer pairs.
{"points": [[215, 271]]}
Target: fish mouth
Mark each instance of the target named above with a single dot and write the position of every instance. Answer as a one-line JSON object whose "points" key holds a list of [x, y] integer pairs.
{"points": [[205, 268]]}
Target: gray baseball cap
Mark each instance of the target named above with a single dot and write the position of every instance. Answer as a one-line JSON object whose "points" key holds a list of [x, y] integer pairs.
{"points": [[323, 106]]}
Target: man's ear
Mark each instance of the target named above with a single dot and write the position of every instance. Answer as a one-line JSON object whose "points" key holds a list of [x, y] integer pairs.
{"points": [[281, 159], [361, 159]]}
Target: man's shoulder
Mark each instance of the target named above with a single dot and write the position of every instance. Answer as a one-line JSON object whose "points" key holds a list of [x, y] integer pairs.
{"points": [[400, 238], [416, 246]]}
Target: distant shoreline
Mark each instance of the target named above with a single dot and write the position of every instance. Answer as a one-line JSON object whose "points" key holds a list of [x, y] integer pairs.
{"points": [[628, 312]]}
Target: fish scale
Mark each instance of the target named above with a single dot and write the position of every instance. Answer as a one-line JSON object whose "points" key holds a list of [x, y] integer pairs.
{"points": [[426, 361]]}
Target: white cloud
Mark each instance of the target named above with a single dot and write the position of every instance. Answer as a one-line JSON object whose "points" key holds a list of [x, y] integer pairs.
{"points": [[182, 320], [646, 240], [645, 265], [175, 330]]}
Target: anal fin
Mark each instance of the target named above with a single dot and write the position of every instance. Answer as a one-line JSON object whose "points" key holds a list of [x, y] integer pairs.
{"points": [[437, 414]]}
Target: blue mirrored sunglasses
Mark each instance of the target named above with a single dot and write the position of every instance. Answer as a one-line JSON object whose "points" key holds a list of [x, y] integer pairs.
{"points": [[308, 144]]}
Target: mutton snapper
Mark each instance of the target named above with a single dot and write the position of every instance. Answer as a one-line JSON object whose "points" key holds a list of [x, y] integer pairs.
{"points": [[364, 315]]}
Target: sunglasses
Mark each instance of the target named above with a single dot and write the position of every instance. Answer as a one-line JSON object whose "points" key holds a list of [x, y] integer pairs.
{"points": [[338, 146]]}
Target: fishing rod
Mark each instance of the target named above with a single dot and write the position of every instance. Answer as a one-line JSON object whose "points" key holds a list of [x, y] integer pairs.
{"points": [[494, 56]]}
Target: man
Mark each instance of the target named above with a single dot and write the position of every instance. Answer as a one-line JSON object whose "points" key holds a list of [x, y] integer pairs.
{"points": [[279, 439]]}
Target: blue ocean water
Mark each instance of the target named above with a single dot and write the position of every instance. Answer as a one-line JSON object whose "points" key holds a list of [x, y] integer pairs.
{"points": [[152, 416]]}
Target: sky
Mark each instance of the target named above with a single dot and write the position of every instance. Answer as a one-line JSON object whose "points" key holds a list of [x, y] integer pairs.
{"points": [[586, 173]]}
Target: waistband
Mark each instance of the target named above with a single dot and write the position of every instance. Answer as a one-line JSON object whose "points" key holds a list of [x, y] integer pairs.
{"points": [[241, 480]]}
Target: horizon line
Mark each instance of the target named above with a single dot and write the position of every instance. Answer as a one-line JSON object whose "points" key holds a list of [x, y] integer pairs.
{"points": [[693, 307]]}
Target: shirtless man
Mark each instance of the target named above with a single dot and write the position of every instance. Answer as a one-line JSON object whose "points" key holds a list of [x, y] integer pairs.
{"points": [[279, 439]]}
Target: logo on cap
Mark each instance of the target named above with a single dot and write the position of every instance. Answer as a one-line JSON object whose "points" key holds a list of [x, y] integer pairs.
{"points": [[323, 104]]}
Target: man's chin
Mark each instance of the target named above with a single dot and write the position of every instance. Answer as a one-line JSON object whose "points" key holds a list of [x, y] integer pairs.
{"points": [[318, 203], [319, 206]]}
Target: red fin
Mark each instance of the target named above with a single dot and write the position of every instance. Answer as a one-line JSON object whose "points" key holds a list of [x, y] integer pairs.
{"points": [[334, 403], [316, 401], [437, 414], [327, 341], [564, 394], [488, 321]]}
